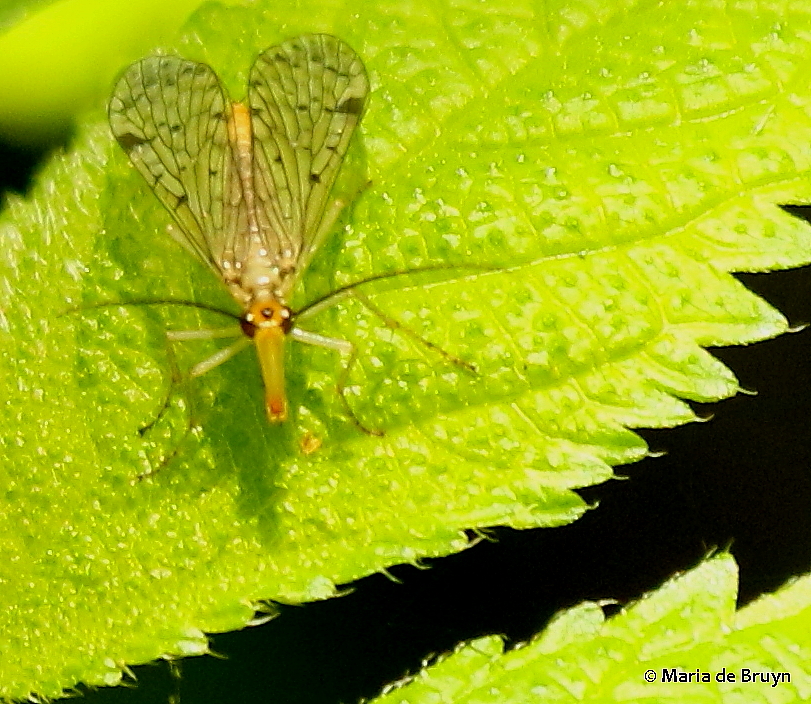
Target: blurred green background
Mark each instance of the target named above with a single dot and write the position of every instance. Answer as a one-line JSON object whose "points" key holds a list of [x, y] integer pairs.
{"points": [[58, 60]]}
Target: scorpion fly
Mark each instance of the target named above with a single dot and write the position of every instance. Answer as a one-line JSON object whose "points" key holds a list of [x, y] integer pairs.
{"points": [[248, 183]]}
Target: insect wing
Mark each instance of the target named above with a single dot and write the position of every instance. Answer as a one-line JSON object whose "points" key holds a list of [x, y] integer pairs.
{"points": [[171, 118], [306, 97]]}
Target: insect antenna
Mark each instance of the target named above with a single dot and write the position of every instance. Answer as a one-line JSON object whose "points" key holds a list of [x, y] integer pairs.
{"points": [[351, 290], [336, 295], [149, 302], [395, 324]]}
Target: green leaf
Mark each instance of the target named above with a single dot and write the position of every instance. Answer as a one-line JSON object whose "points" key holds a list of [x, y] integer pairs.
{"points": [[609, 165], [682, 643]]}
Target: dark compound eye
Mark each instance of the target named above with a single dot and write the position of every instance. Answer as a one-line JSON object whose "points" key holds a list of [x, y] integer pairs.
{"points": [[248, 328]]}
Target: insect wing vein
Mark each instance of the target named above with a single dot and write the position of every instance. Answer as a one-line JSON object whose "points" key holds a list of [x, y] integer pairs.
{"points": [[170, 117], [306, 97]]}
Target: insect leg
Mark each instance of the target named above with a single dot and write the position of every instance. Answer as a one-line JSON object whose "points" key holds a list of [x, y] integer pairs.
{"points": [[175, 382], [206, 334], [346, 348], [330, 217], [198, 369], [394, 324], [220, 356], [175, 379], [328, 220], [348, 351], [178, 380]]}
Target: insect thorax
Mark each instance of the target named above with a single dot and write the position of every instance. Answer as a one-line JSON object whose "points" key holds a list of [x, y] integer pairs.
{"points": [[259, 277]]}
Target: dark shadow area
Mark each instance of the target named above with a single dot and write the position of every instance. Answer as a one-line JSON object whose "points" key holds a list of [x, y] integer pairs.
{"points": [[19, 163]]}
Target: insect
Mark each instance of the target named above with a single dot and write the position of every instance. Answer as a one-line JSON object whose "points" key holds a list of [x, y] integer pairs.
{"points": [[248, 183]]}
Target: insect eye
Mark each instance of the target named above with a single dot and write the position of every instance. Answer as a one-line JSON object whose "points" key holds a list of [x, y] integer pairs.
{"points": [[267, 313], [248, 328]]}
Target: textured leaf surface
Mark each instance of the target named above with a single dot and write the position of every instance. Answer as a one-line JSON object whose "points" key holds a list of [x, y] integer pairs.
{"points": [[687, 626], [609, 163]]}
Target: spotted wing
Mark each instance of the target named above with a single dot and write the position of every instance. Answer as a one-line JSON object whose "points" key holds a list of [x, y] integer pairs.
{"points": [[171, 118], [306, 97]]}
